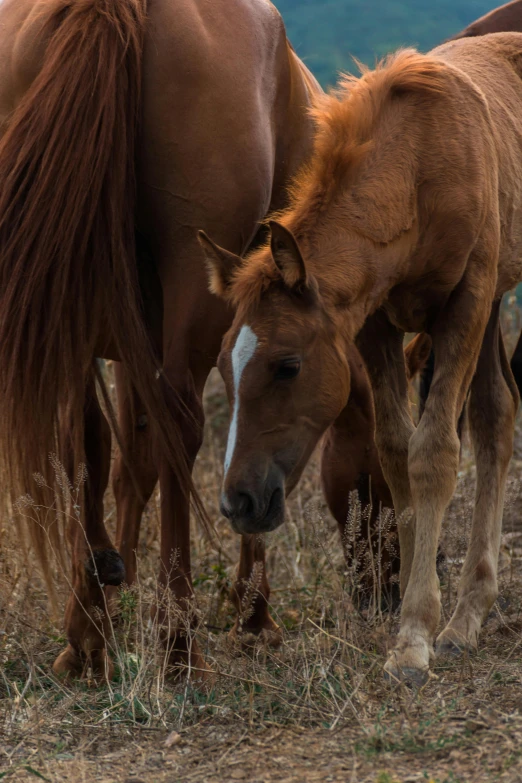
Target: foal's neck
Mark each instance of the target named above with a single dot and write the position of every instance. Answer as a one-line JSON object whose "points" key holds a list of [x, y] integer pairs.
{"points": [[357, 279]]}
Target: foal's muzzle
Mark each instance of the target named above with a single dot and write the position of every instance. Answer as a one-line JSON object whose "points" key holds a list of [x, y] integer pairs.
{"points": [[255, 506]]}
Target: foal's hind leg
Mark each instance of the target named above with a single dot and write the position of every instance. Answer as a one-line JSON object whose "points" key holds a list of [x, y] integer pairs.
{"points": [[95, 562], [250, 595], [350, 462], [493, 404], [381, 345]]}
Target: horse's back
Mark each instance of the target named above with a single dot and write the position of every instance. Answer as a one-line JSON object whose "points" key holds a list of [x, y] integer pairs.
{"points": [[506, 17]]}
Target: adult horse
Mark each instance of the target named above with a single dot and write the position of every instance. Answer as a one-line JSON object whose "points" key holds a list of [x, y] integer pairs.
{"points": [[408, 218], [123, 120]]}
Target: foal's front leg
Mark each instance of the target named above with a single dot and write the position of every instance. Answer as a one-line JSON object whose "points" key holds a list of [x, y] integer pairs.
{"points": [[433, 459]]}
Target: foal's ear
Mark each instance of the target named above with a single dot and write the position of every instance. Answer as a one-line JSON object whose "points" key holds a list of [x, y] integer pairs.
{"points": [[221, 265], [287, 256]]}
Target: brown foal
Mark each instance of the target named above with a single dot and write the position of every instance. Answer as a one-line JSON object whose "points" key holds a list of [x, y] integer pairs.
{"points": [[408, 218]]}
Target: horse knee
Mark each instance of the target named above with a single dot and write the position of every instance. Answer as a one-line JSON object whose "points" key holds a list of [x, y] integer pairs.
{"points": [[433, 461]]}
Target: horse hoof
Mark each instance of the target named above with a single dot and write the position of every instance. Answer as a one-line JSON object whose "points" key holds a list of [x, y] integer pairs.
{"points": [[413, 678], [270, 635], [106, 567], [181, 663], [70, 664], [448, 646]]}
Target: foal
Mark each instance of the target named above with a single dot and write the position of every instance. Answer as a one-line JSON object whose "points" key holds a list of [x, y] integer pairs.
{"points": [[408, 218]]}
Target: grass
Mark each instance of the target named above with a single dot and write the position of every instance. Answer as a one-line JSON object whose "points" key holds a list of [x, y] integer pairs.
{"points": [[317, 709]]}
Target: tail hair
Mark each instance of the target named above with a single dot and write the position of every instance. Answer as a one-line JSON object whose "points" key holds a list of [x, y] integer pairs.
{"points": [[67, 239]]}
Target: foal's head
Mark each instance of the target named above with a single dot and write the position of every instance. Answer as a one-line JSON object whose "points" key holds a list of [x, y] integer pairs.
{"points": [[286, 373], [301, 300]]}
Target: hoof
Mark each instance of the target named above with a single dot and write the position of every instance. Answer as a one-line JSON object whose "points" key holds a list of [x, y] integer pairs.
{"points": [[413, 678], [182, 663], [112, 598], [409, 661], [106, 567], [70, 664], [268, 635], [449, 645]]}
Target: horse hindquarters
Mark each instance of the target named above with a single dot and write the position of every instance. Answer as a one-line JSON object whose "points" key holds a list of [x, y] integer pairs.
{"points": [[69, 268]]}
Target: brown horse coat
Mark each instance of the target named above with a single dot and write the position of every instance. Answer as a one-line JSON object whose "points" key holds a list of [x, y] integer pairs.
{"points": [[506, 18], [408, 218]]}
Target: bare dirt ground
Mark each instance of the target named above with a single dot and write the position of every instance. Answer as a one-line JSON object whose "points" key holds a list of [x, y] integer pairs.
{"points": [[315, 710]]}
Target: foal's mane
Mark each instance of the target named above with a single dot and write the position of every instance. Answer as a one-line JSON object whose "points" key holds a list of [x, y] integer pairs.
{"points": [[346, 120]]}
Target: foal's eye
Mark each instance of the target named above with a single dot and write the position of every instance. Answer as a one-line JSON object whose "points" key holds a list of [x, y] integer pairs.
{"points": [[287, 369]]}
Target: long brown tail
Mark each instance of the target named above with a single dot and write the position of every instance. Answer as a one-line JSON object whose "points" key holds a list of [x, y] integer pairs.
{"points": [[67, 235]]}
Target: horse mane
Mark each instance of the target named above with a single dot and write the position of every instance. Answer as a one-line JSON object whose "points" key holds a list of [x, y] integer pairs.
{"points": [[345, 120], [345, 124]]}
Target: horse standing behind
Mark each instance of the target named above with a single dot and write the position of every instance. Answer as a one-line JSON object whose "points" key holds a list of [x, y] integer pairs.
{"points": [[408, 218]]}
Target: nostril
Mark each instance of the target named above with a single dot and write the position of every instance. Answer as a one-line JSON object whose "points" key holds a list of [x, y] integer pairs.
{"points": [[237, 505], [225, 508], [244, 505]]}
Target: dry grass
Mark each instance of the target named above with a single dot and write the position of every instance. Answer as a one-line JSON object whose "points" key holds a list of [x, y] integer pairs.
{"points": [[316, 710]]}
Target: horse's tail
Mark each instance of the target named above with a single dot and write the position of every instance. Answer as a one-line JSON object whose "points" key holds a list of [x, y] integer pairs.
{"points": [[67, 236]]}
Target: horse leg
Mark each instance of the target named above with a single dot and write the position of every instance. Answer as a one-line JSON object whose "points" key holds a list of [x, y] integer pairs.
{"points": [[350, 462], [134, 474], [250, 595], [433, 460], [493, 405], [381, 345], [95, 562], [178, 619], [426, 378]]}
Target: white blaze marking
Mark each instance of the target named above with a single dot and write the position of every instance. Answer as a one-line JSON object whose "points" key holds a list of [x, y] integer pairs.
{"points": [[243, 351]]}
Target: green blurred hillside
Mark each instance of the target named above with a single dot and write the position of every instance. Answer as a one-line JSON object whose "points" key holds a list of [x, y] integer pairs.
{"points": [[326, 33]]}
